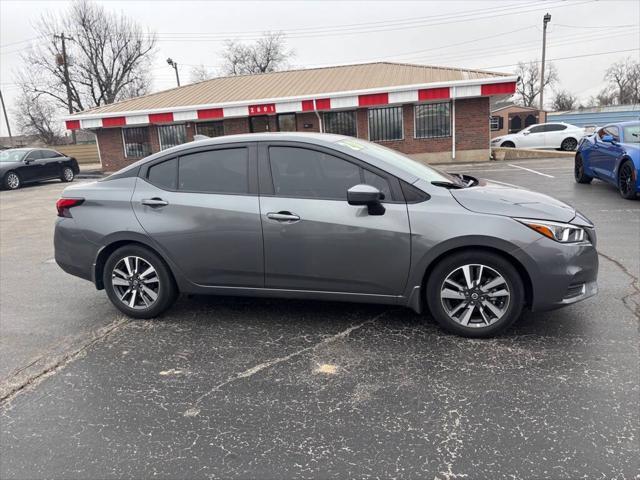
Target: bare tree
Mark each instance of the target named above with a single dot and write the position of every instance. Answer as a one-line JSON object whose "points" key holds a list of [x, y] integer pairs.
{"points": [[623, 79], [200, 74], [108, 58], [564, 100], [36, 115], [528, 87], [268, 54]]}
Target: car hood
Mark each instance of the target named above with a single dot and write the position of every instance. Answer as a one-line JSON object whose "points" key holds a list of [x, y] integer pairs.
{"points": [[503, 199]]}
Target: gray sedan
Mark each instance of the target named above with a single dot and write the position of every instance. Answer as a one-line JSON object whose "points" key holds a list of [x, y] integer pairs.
{"points": [[324, 217]]}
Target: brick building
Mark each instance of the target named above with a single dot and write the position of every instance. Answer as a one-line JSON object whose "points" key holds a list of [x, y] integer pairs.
{"points": [[512, 118], [431, 113]]}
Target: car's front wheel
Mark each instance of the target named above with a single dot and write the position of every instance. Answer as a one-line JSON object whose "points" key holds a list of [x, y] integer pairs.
{"points": [[578, 170], [67, 174], [569, 145], [138, 282], [475, 293], [12, 181], [626, 181], [508, 145]]}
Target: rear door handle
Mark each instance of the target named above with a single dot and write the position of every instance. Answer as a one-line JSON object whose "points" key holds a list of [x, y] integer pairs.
{"points": [[283, 216], [155, 202]]}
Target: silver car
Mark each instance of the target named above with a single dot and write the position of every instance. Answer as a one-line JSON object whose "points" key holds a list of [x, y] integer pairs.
{"points": [[327, 217]]}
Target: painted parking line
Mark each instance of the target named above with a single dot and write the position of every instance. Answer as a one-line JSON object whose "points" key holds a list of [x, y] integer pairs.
{"points": [[531, 170]]}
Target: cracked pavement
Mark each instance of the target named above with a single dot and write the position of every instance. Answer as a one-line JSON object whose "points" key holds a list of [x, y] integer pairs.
{"points": [[247, 388]]}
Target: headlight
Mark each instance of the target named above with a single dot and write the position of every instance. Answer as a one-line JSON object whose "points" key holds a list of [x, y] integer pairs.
{"points": [[560, 232], [496, 140]]}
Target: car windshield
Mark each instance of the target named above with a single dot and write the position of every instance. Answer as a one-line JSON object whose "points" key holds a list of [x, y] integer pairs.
{"points": [[632, 134], [399, 160], [12, 155]]}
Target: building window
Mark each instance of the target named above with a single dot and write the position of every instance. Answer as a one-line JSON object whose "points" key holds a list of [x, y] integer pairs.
{"points": [[136, 142], [171, 135], [287, 122], [341, 123], [433, 120], [210, 129], [495, 122], [385, 124]]}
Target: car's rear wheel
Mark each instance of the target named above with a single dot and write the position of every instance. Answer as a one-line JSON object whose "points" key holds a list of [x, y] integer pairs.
{"points": [[578, 170], [67, 174], [12, 181], [138, 282], [569, 144], [626, 181], [508, 145], [475, 293]]}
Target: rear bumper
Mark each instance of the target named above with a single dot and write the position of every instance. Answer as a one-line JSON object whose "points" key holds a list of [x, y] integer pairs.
{"points": [[73, 252]]}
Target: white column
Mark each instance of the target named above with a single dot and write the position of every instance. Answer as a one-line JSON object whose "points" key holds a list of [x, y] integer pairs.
{"points": [[453, 124]]}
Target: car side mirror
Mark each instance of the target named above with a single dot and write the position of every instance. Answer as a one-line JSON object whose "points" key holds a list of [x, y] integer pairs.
{"points": [[27, 161], [608, 138], [368, 196], [526, 133]]}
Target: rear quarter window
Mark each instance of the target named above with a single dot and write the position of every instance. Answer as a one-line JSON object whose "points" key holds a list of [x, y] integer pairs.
{"points": [[165, 174]]}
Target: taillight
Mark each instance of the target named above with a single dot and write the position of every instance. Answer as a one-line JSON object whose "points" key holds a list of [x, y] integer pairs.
{"points": [[65, 204]]}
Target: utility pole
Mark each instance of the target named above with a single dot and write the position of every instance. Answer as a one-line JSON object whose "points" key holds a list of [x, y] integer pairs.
{"points": [[6, 119], [65, 68], [175, 67], [546, 19]]}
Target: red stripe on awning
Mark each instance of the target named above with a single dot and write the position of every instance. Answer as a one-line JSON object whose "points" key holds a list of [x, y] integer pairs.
{"points": [[264, 109], [323, 104], [160, 117], [498, 88], [210, 113], [433, 94], [114, 122], [72, 124], [307, 106], [373, 99]]}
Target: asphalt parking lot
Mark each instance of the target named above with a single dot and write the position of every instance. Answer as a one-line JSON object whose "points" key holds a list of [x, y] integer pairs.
{"points": [[243, 388]]}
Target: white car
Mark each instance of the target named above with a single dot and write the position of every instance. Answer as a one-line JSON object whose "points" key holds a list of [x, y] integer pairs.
{"points": [[543, 135]]}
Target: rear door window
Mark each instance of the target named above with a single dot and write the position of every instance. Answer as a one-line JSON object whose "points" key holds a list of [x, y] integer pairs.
{"points": [[215, 171], [165, 174]]}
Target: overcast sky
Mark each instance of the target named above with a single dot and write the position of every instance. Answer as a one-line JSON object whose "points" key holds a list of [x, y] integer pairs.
{"points": [[469, 34]]}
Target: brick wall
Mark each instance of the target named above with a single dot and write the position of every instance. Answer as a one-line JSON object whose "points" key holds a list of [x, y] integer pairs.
{"points": [[472, 134]]}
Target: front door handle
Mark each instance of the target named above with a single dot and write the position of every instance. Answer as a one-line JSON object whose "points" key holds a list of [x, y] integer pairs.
{"points": [[283, 216], [155, 202]]}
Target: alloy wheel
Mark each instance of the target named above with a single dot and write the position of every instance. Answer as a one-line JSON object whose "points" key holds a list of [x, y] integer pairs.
{"points": [[626, 180], [67, 173], [475, 295], [13, 181], [569, 144], [136, 282]]}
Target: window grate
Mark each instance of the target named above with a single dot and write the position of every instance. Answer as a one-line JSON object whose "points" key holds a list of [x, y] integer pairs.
{"points": [[385, 124], [171, 135], [341, 123], [210, 129], [136, 142], [433, 120]]}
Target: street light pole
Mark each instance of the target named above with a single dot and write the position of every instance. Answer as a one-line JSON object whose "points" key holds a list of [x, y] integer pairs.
{"points": [[65, 70], [6, 119], [546, 19], [175, 67]]}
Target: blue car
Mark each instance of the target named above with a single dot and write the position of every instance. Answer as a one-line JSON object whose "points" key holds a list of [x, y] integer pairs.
{"points": [[611, 154]]}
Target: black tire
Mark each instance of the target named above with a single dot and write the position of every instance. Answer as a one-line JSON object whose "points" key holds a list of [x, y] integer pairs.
{"points": [[67, 174], [569, 144], [626, 183], [508, 145], [11, 181], [578, 170], [511, 308], [166, 289]]}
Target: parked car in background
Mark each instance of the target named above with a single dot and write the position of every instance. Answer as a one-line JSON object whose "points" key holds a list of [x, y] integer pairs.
{"points": [[327, 217], [611, 154], [561, 136], [19, 166]]}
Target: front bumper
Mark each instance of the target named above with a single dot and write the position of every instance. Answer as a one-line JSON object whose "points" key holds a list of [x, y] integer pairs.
{"points": [[565, 274]]}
